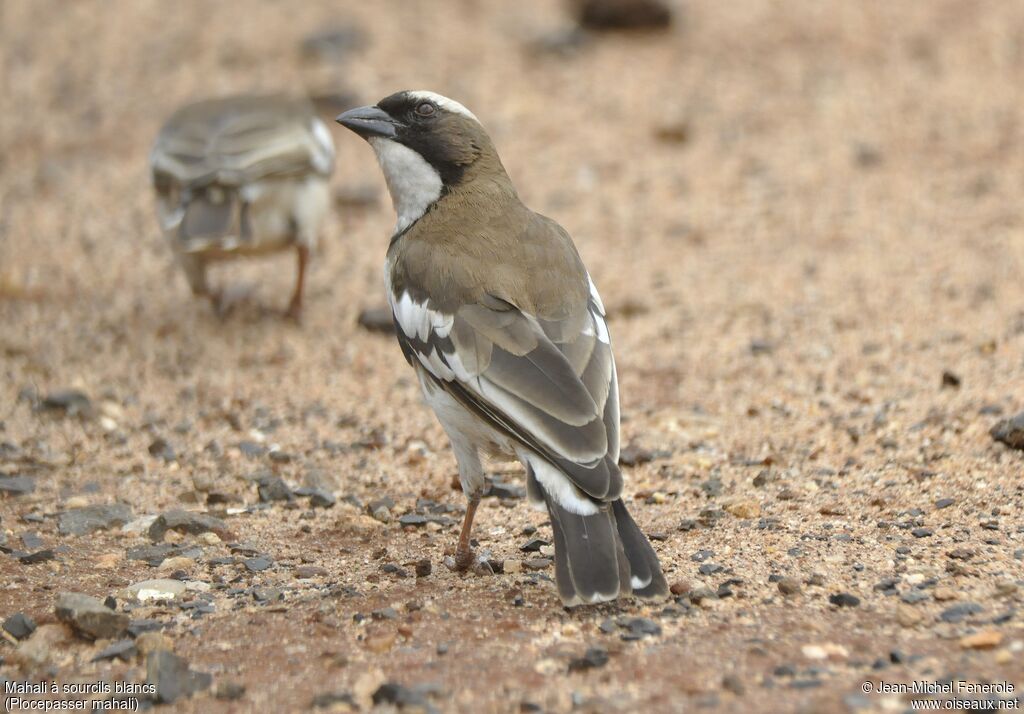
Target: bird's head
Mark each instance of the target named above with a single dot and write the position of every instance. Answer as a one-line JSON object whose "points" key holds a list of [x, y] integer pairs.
{"points": [[427, 145]]}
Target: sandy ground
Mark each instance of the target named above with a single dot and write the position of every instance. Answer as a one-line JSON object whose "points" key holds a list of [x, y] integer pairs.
{"points": [[799, 215]]}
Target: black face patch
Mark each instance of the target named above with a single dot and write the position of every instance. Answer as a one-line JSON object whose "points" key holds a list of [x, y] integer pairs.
{"points": [[445, 140]]}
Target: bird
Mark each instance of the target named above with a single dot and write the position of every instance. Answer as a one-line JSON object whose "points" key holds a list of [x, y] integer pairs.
{"points": [[239, 176], [496, 312]]}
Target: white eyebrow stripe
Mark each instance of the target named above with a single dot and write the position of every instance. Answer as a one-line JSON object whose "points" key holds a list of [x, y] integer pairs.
{"points": [[443, 102]]}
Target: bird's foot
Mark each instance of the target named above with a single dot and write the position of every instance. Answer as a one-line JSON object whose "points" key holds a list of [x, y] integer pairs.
{"points": [[464, 558], [294, 312]]}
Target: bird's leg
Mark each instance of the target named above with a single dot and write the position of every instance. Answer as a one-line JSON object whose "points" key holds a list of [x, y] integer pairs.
{"points": [[464, 551], [295, 306]]}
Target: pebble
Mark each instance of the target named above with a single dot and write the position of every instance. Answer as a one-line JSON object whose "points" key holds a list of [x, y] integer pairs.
{"points": [[377, 319], [960, 612], [178, 562], [944, 503], [161, 449], [744, 509], [81, 521], [124, 650], [423, 568], [257, 564], [90, 617], [380, 641], [16, 485], [593, 658], [828, 650], [1010, 432], [309, 571], [537, 563], [173, 678], [943, 593], [637, 628], [908, 616], [533, 545], [789, 586], [984, 640], [680, 587], [40, 556], [844, 600], [229, 691], [922, 532], [183, 521], [318, 497], [500, 489], [623, 14], [158, 589], [273, 488], [72, 402], [19, 626]]}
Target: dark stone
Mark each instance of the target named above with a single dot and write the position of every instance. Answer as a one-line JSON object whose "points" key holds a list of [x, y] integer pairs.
{"points": [[161, 449], [81, 521], [701, 555], [267, 594], [153, 555], [401, 696], [257, 564], [19, 625], [377, 319], [413, 519], [960, 612], [190, 523], [638, 628], [123, 650], [423, 568], [327, 700], [710, 568], [318, 497], [922, 532], [40, 556], [1010, 432], [502, 490], [594, 657], [16, 485], [533, 545], [633, 455], [944, 503], [229, 691], [623, 14], [951, 380], [90, 617], [761, 347], [273, 488], [844, 600], [252, 449], [912, 597], [71, 402], [173, 679], [137, 627]]}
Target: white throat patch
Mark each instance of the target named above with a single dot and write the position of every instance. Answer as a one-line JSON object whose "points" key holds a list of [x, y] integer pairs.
{"points": [[412, 182]]}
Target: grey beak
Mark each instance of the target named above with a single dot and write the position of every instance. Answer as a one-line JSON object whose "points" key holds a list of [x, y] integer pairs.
{"points": [[369, 122]]}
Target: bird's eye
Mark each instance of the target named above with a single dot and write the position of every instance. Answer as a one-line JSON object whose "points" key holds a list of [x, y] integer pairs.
{"points": [[425, 109]]}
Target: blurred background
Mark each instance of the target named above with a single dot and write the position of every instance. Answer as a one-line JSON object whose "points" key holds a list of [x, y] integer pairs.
{"points": [[804, 218]]}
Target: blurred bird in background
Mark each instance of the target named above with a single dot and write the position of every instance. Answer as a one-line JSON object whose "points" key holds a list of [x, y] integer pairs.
{"points": [[242, 176]]}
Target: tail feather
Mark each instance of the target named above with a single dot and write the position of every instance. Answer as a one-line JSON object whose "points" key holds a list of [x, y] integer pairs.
{"points": [[646, 579], [601, 556]]}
